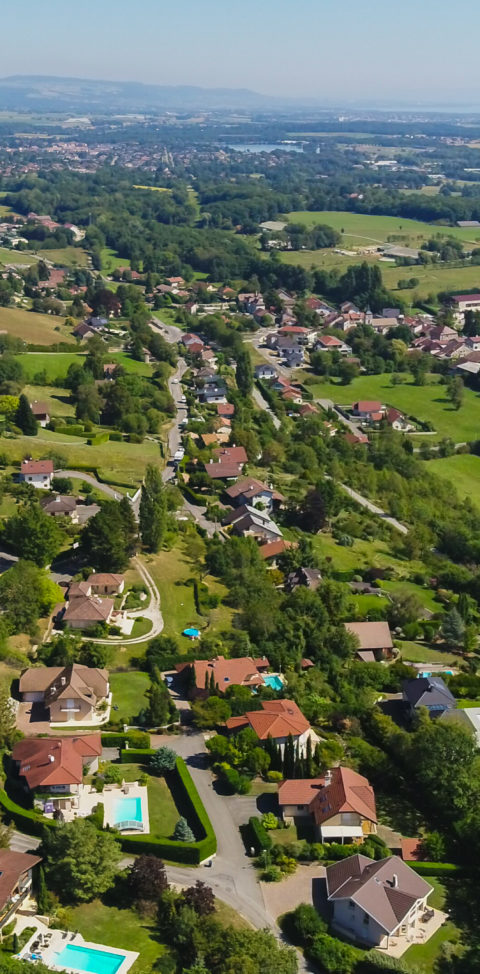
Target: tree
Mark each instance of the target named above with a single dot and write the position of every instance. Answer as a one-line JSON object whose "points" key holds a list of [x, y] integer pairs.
{"points": [[159, 704], [455, 389], [244, 372], [7, 723], [452, 628], [163, 760], [347, 371], [33, 534], [81, 862], [152, 509], [105, 539], [404, 607], [183, 832], [25, 419], [26, 593], [200, 898], [129, 525], [433, 847], [43, 898], [147, 878]]}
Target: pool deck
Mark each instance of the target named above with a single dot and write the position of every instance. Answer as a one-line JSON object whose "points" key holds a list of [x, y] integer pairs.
{"points": [[54, 941], [87, 799]]}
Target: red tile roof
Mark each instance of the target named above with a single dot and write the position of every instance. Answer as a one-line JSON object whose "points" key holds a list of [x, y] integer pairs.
{"points": [[274, 548], [225, 409], [346, 791], [55, 760], [278, 718], [37, 466], [242, 671]]}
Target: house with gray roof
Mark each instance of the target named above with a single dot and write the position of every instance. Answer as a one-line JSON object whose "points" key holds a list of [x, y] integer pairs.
{"points": [[376, 901], [430, 692]]}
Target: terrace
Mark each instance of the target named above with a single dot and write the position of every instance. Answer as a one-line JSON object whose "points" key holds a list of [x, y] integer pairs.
{"points": [[61, 950], [125, 807]]}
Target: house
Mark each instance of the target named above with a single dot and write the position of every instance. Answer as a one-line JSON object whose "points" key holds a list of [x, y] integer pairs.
{"points": [[430, 692], [373, 901], [341, 804], [273, 549], [41, 413], [61, 506], [308, 577], [464, 302], [56, 764], [83, 331], [366, 408], [328, 343], [225, 409], [250, 491], [38, 473], [223, 673], [86, 612], [106, 583], [250, 522], [468, 717], [442, 334], [278, 719], [397, 420], [375, 640], [16, 870], [265, 372], [231, 454], [70, 693]]}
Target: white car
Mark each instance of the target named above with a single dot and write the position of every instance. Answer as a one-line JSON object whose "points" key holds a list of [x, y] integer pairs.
{"points": [[175, 380], [183, 399]]}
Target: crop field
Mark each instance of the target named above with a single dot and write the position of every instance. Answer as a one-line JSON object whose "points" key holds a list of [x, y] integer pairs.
{"points": [[34, 328], [16, 257], [363, 228], [122, 463], [428, 403], [463, 472], [66, 256], [55, 364]]}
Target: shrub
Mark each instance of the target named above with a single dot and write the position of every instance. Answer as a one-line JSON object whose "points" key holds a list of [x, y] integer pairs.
{"points": [[259, 837], [183, 832], [269, 821], [302, 925], [271, 874], [332, 955], [163, 760], [112, 775], [274, 776]]}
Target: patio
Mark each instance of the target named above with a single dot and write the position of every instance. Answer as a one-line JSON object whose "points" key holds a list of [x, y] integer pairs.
{"points": [[45, 945], [84, 802], [425, 928]]}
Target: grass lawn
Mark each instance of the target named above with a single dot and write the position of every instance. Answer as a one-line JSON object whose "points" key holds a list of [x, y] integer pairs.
{"points": [[55, 364], [66, 256], [426, 595], [362, 554], [360, 229], [140, 628], [428, 403], [464, 704], [16, 257], [155, 189], [422, 957], [366, 603], [115, 927], [432, 279], [128, 691], [131, 364], [162, 811], [34, 328], [463, 472], [111, 260], [116, 463], [418, 653], [58, 400]]}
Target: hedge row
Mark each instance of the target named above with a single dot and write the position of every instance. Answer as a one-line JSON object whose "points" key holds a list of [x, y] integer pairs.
{"points": [[434, 868], [132, 738], [135, 754], [25, 819], [260, 838], [191, 853], [98, 439]]}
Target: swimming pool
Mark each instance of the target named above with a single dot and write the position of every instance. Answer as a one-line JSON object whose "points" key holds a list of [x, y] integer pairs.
{"points": [[425, 673], [127, 810], [274, 682], [88, 959]]}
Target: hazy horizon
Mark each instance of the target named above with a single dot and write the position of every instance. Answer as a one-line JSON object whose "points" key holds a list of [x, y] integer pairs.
{"points": [[331, 51]]}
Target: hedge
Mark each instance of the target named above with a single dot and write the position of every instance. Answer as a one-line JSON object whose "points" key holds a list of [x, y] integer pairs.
{"points": [[434, 868], [134, 755], [191, 853], [98, 439], [261, 840], [120, 740], [26, 819]]}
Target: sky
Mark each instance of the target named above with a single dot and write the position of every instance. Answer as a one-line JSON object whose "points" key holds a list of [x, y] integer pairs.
{"points": [[416, 51]]}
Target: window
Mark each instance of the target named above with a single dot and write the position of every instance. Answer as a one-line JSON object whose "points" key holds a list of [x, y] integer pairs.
{"points": [[366, 919], [351, 904]]}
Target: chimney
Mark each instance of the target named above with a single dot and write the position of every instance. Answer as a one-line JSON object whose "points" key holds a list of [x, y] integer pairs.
{"points": [[51, 758], [395, 881], [328, 778]]}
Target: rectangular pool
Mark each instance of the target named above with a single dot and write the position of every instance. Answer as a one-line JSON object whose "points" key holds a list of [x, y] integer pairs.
{"points": [[274, 682], [88, 959], [127, 810]]}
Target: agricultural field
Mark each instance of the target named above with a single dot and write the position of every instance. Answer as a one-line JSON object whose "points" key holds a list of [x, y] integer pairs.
{"points": [[428, 403], [34, 328], [65, 256], [360, 229], [111, 260], [155, 189], [463, 472], [16, 257], [55, 364]]}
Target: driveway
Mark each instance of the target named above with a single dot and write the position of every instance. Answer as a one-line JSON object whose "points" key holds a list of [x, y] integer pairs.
{"points": [[32, 719], [305, 886], [152, 611]]}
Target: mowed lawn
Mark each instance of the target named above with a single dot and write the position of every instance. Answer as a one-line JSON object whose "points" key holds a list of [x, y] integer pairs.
{"points": [[55, 364], [428, 403], [111, 260], [463, 472], [66, 256], [116, 463], [162, 811], [122, 928], [362, 228], [128, 691], [16, 257], [34, 328], [59, 401]]}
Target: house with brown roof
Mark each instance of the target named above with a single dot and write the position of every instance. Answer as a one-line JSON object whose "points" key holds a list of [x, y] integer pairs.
{"points": [[61, 506], [308, 577], [41, 412], [106, 583], [273, 549], [56, 764], [251, 491], [16, 872], [223, 673], [38, 473], [341, 804], [278, 719], [86, 612], [247, 521], [374, 902], [374, 638], [71, 694]]}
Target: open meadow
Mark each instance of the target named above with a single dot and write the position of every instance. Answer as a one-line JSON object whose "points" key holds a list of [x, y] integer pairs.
{"points": [[463, 472], [34, 328], [16, 258], [428, 403], [363, 228], [65, 256]]}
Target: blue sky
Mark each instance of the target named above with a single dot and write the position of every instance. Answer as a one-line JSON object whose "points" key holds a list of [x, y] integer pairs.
{"points": [[413, 50]]}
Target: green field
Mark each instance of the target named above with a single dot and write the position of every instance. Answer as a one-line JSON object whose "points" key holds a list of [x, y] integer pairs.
{"points": [[360, 229], [428, 403], [413, 652], [463, 472], [111, 260], [423, 957], [66, 256], [59, 401], [162, 811], [131, 364], [116, 463], [55, 364], [16, 257], [128, 691], [34, 328]]}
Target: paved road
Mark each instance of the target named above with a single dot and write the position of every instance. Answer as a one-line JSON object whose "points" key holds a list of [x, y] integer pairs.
{"points": [[80, 475], [175, 432], [364, 502], [263, 404], [170, 333], [152, 611]]}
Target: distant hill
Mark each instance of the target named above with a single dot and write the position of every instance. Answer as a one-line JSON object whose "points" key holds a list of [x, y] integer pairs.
{"points": [[76, 95]]}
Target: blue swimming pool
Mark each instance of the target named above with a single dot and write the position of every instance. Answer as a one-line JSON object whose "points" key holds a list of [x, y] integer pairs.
{"points": [[88, 959], [127, 810], [274, 682]]}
